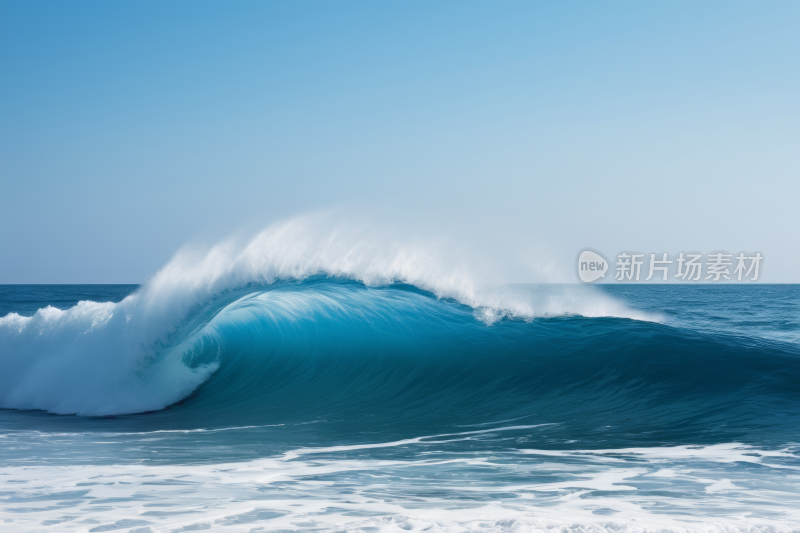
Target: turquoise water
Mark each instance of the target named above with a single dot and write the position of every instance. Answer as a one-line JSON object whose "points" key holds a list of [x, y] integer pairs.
{"points": [[329, 404]]}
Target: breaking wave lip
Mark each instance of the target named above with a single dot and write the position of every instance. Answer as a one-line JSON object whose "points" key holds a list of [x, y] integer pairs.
{"points": [[98, 359]]}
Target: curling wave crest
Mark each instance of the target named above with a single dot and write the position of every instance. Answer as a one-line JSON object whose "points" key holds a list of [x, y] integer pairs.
{"points": [[158, 345]]}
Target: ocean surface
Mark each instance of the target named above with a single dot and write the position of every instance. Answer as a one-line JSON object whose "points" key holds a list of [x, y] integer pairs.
{"points": [[327, 403]]}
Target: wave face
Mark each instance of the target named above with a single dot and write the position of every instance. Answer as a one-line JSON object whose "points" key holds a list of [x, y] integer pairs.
{"points": [[395, 356], [97, 359], [209, 308]]}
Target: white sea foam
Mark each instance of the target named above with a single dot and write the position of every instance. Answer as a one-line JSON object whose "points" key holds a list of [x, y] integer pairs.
{"points": [[92, 359], [679, 489], [312, 245], [105, 358]]}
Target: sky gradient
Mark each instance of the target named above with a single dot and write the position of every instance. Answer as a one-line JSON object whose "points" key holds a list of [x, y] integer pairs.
{"points": [[130, 128]]}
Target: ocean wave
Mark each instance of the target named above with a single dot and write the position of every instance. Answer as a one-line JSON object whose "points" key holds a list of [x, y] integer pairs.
{"points": [[103, 358], [288, 328]]}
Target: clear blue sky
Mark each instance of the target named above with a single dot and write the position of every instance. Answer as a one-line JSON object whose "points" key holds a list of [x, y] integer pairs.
{"points": [[130, 127]]}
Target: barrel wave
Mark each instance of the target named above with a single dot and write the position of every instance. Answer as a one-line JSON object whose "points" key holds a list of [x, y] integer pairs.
{"points": [[238, 305], [395, 357]]}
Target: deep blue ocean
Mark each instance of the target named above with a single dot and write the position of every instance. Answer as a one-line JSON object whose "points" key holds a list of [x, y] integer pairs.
{"points": [[330, 404]]}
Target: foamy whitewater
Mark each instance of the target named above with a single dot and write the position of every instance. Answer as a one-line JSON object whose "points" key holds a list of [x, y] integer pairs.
{"points": [[321, 377]]}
